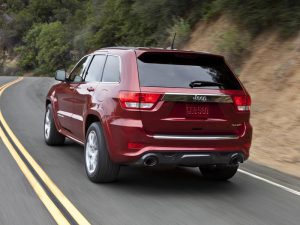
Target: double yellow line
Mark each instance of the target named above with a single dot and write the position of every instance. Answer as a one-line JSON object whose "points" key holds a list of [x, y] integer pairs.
{"points": [[36, 185]]}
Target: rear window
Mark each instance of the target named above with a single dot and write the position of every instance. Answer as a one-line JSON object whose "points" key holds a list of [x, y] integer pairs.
{"points": [[180, 69]]}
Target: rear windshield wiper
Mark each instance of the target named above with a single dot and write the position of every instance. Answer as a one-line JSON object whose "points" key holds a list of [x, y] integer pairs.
{"points": [[199, 83]]}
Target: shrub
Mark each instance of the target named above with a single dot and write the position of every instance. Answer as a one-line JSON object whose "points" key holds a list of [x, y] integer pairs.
{"points": [[212, 9], [259, 15], [182, 29], [233, 45]]}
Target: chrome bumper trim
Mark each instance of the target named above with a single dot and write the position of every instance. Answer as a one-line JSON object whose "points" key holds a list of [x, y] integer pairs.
{"points": [[196, 137], [182, 97]]}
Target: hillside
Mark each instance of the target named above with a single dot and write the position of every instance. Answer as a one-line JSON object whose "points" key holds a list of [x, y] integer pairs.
{"points": [[40, 36], [271, 73]]}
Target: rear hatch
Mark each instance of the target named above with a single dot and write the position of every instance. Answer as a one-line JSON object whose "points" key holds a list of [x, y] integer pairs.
{"points": [[191, 94]]}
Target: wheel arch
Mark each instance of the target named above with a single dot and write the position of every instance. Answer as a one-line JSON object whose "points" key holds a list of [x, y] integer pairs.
{"points": [[56, 122], [48, 101], [91, 117], [95, 116]]}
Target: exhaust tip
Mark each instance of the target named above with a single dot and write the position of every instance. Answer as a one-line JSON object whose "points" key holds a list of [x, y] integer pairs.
{"points": [[236, 159], [150, 161]]}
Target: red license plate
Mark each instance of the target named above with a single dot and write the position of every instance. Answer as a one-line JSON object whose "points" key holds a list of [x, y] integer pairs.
{"points": [[197, 111]]}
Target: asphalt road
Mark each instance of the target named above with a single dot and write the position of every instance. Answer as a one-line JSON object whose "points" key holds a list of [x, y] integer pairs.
{"points": [[141, 196]]}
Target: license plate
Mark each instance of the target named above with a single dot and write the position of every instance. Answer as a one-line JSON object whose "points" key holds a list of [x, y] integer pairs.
{"points": [[197, 111]]}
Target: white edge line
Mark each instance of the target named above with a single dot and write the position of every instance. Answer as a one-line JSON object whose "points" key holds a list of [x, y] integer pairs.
{"points": [[271, 182]]}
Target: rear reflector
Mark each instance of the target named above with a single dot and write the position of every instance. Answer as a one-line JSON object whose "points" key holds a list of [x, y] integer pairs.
{"points": [[242, 102], [132, 145], [137, 100]]}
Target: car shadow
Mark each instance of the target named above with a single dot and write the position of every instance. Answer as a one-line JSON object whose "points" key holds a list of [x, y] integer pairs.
{"points": [[70, 151], [162, 180], [158, 180]]}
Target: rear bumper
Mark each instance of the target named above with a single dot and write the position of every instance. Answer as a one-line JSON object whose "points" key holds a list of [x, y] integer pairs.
{"points": [[190, 159], [120, 132]]}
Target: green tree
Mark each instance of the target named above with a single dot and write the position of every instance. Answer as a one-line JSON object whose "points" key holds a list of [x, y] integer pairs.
{"points": [[50, 32], [28, 52], [46, 47], [138, 22], [53, 47]]}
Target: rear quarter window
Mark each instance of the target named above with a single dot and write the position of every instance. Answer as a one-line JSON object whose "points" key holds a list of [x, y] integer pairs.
{"points": [[111, 72], [180, 69]]}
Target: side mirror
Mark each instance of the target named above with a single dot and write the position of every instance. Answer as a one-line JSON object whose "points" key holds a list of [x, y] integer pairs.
{"points": [[60, 75]]}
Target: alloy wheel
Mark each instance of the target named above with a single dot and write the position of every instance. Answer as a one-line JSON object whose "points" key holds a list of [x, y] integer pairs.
{"points": [[91, 155]]}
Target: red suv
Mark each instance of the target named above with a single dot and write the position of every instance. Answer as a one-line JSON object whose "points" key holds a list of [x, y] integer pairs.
{"points": [[151, 107]]}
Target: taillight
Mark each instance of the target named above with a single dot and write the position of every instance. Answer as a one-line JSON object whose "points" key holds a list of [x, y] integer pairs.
{"points": [[137, 100], [242, 102]]}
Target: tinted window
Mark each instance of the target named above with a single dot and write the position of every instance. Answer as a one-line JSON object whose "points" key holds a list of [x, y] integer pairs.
{"points": [[111, 71], [95, 69], [77, 72], [180, 69]]}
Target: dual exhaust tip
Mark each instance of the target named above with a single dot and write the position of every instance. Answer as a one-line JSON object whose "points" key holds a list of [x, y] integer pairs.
{"points": [[150, 160]]}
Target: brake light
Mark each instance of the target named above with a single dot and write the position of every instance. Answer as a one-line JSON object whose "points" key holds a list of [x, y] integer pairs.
{"points": [[242, 102], [137, 100]]}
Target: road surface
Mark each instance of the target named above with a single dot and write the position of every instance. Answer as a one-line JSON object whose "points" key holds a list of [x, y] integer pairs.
{"points": [[141, 196]]}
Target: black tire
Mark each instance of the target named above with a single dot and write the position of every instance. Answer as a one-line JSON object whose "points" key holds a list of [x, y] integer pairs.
{"points": [[53, 137], [105, 170], [221, 172]]}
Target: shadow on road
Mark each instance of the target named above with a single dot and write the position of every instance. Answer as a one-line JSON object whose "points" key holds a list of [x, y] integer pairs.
{"points": [[170, 181], [161, 180]]}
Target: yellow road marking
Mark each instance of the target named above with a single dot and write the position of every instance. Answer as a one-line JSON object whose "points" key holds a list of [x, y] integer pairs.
{"points": [[10, 83], [78, 217], [51, 207]]}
